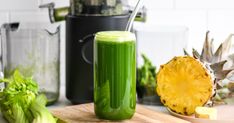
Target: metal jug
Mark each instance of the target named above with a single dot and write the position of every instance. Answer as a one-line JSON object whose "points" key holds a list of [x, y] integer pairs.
{"points": [[34, 50]]}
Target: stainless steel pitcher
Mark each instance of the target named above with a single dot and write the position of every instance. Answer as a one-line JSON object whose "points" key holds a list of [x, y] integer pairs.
{"points": [[34, 50]]}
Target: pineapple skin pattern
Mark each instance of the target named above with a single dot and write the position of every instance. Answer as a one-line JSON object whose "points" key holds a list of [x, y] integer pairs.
{"points": [[183, 84]]}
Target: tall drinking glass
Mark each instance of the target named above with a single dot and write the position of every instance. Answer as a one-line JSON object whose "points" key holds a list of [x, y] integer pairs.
{"points": [[114, 75]]}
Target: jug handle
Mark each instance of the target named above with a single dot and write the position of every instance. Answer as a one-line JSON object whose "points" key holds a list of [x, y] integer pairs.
{"points": [[1, 55], [3, 29]]}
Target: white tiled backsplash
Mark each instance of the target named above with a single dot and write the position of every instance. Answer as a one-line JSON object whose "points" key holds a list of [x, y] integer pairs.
{"points": [[197, 15], [160, 43]]}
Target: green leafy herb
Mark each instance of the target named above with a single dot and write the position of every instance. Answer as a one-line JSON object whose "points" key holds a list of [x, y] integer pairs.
{"points": [[146, 75], [20, 103]]}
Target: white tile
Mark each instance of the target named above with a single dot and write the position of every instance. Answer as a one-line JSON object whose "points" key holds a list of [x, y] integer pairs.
{"points": [[160, 43], [195, 20], [4, 17], [221, 24], [159, 4], [26, 16], [18, 5], [204, 4]]}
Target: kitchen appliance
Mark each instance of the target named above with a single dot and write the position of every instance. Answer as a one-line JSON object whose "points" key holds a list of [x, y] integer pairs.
{"points": [[33, 49], [172, 40], [83, 19]]}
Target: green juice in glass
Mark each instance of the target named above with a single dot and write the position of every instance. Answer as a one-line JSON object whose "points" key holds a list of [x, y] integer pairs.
{"points": [[114, 75]]}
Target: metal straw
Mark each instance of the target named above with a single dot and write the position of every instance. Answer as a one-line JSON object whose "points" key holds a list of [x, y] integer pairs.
{"points": [[133, 15]]}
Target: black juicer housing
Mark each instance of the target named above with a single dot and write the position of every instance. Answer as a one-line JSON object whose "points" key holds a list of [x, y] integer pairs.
{"points": [[83, 19], [80, 32]]}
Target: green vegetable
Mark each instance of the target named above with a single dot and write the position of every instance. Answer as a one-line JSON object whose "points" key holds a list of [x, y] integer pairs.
{"points": [[146, 76], [40, 112], [20, 103], [146, 73]]}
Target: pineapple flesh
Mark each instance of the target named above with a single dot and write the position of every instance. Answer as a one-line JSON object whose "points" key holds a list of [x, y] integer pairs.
{"points": [[183, 84], [206, 113]]}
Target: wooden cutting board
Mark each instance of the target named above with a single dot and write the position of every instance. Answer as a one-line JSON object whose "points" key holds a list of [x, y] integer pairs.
{"points": [[85, 113]]}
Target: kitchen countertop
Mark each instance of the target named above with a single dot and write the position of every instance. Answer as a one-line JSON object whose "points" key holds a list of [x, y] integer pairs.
{"points": [[62, 102]]}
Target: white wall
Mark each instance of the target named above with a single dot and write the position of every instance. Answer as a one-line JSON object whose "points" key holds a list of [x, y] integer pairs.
{"points": [[198, 15]]}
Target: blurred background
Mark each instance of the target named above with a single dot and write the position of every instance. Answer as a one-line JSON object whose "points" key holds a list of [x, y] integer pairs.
{"points": [[170, 26]]}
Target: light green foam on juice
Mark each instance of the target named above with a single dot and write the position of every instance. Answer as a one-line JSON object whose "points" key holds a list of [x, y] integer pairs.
{"points": [[115, 36]]}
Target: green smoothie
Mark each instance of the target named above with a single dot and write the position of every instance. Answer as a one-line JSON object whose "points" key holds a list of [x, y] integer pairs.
{"points": [[114, 75]]}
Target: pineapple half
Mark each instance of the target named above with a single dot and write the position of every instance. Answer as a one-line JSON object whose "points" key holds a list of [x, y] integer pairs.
{"points": [[186, 82], [183, 84]]}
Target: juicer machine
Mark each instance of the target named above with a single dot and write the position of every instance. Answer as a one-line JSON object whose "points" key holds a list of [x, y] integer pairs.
{"points": [[83, 19]]}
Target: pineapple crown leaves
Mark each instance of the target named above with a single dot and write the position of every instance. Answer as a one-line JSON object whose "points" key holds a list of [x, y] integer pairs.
{"points": [[216, 59], [221, 64]]}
